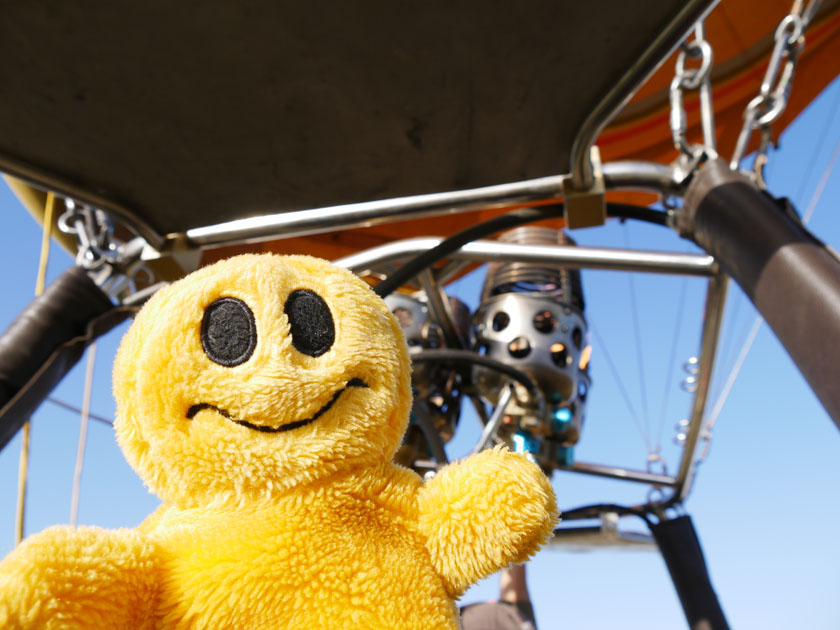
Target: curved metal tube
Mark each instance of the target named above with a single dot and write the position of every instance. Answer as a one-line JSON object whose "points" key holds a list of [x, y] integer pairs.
{"points": [[639, 175], [64, 188], [668, 39], [368, 213], [622, 175], [579, 257]]}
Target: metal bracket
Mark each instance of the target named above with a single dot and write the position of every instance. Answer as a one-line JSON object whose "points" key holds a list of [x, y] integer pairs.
{"points": [[586, 208]]}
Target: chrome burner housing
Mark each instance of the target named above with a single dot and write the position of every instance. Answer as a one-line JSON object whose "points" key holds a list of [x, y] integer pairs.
{"points": [[531, 318], [546, 340], [435, 387]]}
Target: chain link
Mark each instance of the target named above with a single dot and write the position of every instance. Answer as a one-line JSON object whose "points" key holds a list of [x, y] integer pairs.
{"points": [[763, 110], [694, 78]]}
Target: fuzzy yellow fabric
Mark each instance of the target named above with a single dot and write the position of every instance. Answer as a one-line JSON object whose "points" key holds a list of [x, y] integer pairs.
{"points": [[311, 526]]}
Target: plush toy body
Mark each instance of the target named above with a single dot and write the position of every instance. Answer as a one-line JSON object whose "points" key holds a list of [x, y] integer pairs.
{"points": [[263, 399]]}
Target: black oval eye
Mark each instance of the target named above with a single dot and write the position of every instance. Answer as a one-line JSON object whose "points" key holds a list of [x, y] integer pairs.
{"points": [[313, 331], [228, 332]]}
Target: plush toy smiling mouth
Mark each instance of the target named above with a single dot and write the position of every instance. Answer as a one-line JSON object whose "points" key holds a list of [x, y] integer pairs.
{"points": [[353, 382], [229, 338]]}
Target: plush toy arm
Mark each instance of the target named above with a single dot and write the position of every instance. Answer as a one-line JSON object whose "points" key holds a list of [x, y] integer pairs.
{"points": [[79, 578], [484, 513]]}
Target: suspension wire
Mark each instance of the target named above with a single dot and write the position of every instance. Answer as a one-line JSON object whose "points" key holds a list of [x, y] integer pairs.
{"points": [[669, 382], [730, 382], [45, 245], [728, 355], [23, 462], [736, 334], [638, 337], [815, 198], [83, 425], [832, 114], [620, 383], [77, 410], [745, 349]]}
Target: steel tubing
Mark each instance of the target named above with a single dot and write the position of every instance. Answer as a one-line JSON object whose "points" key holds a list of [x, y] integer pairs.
{"points": [[575, 257]]}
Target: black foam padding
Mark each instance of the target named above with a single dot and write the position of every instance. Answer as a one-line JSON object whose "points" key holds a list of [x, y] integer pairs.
{"points": [[60, 313], [228, 332], [683, 555], [791, 277], [313, 330], [46, 340]]}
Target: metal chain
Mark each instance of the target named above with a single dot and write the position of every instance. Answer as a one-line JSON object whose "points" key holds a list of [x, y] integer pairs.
{"points": [[762, 111], [695, 78]]}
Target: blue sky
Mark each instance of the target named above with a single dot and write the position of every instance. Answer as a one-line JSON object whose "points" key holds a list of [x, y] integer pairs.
{"points": [[765, 503]]}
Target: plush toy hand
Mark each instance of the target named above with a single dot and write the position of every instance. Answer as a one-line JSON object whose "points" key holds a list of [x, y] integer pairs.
{"points": [[79, 578], [484, 513]]}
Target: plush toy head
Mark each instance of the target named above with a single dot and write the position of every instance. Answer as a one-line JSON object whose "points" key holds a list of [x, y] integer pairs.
{"points": [[257, 374]]}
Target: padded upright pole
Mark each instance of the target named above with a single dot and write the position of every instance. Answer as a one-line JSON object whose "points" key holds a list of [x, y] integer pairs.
{"points": [[680, 548], [792, 278], [45, 341]]}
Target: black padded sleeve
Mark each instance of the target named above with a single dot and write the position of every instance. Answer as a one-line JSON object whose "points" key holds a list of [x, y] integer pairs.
{"points": [[45, 341], [792, 278], [680, 548]]}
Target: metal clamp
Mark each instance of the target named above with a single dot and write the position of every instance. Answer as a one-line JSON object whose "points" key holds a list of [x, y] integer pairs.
{"points": [[586, 208], [114, 266]]}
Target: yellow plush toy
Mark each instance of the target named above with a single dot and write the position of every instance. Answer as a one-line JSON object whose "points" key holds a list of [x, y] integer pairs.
{"points": [[263, 398]]}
